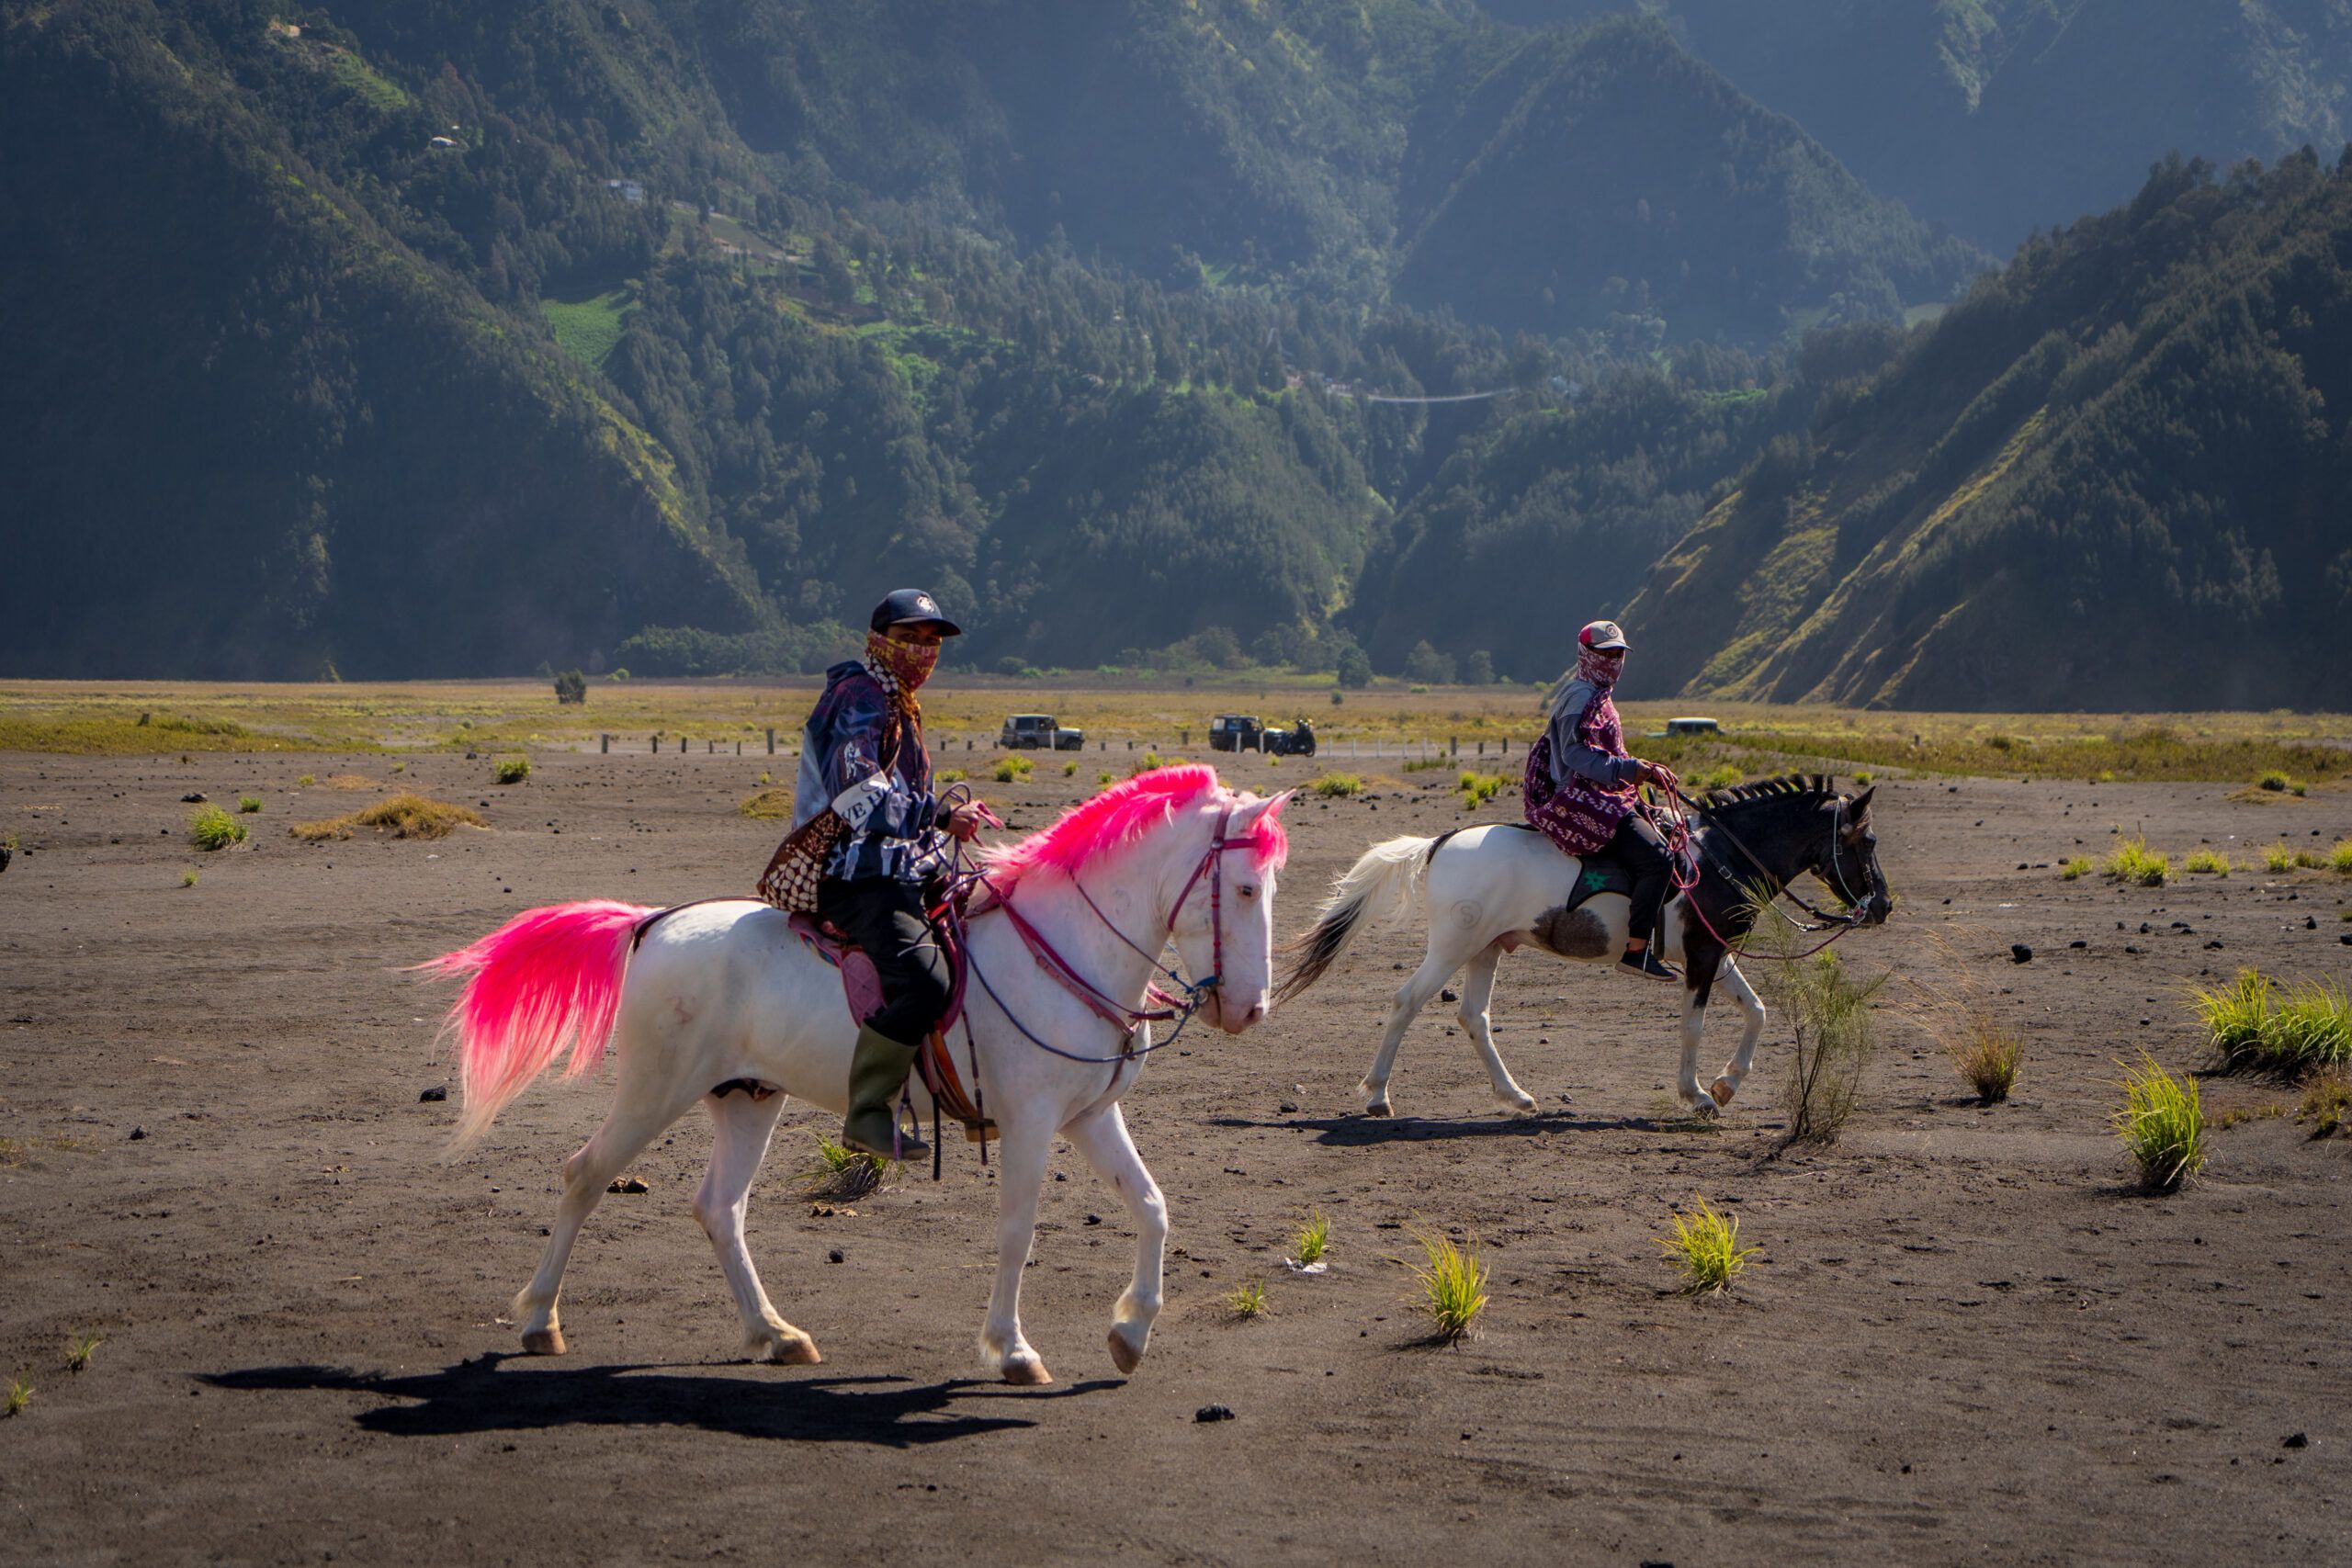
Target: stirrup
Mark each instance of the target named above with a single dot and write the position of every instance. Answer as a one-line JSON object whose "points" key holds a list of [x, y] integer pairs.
{"points": [[1647, 965]]}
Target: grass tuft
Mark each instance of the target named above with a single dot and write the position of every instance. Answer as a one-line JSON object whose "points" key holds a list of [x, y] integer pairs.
{"points": [[306, 779], [845, 1172], [1830, 1013], [407, 816], [1247, 1301], [2327, 1102], [1336, 786], [513, 769], [2251, 1027], [1705, 1247], [1453, 1285], [20, 1394], [2137, 864], [2162, 1123], [210, 827], [1480, 788], [2275, 780], [2339, 858], [767, 806], [2209, 861], [79, 1350], [2077, 865], [1011, 770], [1314, 1239], [1988, 1057], [187, 878], [248, 804], [2277, 857]]}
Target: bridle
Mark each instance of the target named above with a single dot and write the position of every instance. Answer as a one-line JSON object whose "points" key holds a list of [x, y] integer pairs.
{"points": [[1674, 828], [1127, 1019]]}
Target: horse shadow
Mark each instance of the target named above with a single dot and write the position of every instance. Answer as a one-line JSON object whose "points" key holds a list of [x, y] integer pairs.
{"points": [[1357, 1131], [475, 1396]]}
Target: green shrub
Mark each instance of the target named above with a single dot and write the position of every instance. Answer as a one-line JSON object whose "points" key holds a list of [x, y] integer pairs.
{"points": [[1070, 770], [513, 769], [954, 775], [1332, 785], [2135, 864], [1011, 770], [2339, 858], [248, 804], [1705, 1248], [2277, 857], [210, 827], [2162, 1123], [1480, 788], [1722, 775], [2077, 865], [2211, 861], [1247, 1301], [187, 878], [1830, 1013], [2275, 780]]}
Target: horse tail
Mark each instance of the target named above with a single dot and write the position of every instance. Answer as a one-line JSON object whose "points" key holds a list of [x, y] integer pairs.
{"points": [[549, 974], [1384, 885]]}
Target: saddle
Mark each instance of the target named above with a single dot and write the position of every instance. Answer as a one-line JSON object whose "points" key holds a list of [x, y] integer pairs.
{"points": [[862, 989], [1603, 872]]}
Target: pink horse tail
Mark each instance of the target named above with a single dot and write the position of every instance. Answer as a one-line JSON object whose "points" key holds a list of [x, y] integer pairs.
{"points": [[547, 975]]}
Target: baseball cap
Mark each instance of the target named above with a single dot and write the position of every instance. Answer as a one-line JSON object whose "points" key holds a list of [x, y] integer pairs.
{"points": [[1602, 634], [911, 605]]}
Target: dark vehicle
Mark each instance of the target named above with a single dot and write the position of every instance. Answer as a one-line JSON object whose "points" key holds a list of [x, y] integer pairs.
{"points": [[1298, 740], [1237, 732], [1038, 732]]}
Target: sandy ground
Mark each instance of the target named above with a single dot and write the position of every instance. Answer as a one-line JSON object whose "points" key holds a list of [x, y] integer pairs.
{"points": [[1963, 1341]]}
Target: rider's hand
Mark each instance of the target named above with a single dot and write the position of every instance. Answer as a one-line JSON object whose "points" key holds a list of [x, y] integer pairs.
{"points": [[967, 820], [1661, 775]]}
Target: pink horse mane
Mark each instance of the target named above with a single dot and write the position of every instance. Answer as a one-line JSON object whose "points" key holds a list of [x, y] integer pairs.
{"points": [[1118, 817]]}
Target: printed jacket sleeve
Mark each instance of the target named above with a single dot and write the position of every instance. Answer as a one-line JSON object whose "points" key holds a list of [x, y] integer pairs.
{"points": [[862, 795], [1575, 757]]}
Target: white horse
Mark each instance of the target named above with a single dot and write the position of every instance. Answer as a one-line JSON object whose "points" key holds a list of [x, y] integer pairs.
{"points": [[724, 992], [1486, 890]]}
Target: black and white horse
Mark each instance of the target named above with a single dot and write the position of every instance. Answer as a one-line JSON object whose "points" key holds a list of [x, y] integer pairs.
{"points": [[1485, 891]]}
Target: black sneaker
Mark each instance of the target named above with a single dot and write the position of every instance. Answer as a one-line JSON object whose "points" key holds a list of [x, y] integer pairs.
{"points": [[1648, 966]]}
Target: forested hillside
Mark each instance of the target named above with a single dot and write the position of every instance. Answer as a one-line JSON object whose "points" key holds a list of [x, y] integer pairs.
{"points": [[2001, 116], [2115, 477], [433, 338]]}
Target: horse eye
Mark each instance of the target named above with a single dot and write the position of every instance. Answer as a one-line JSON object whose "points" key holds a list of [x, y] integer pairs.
{"points": [[1247, 890]]}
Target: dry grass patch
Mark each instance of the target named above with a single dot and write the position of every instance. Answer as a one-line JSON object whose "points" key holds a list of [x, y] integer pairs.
{"points": [[2327, 1101], [346, 781], [404, 815], [767, 805]]}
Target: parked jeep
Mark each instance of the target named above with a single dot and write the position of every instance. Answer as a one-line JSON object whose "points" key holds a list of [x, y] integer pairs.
{"points": [[1038, 732], [1235, 732]]}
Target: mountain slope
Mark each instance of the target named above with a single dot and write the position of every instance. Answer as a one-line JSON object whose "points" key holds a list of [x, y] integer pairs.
{"points": [[1610, 174], [293, 442], [2000, 116], [2113, 477]]}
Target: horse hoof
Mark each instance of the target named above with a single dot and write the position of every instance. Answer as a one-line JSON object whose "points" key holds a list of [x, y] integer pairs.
{"points": [[1721, 1091], [544, 1342], [1027, 1372], [785, 1351], [1378, 1107], [1124, 1355], [1518, 1100]]}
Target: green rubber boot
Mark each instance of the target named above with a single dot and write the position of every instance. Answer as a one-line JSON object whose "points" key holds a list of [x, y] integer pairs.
{"points": [[876, 1071]]}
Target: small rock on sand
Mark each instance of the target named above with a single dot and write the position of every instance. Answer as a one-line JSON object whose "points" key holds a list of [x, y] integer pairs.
{"points": [[1213, 1412], [438, 1091], [2021, 954]]}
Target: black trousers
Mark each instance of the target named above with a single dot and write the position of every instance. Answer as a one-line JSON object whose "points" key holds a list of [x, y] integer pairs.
{"points": [[1637, 847], [884, 917]]}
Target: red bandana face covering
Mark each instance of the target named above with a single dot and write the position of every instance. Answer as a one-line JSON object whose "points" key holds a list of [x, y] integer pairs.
{"points": [[902, 666], [1598, 667]]}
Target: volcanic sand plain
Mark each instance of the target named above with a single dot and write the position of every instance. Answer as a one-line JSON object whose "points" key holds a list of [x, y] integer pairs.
{"points": [[1965, 1337]]}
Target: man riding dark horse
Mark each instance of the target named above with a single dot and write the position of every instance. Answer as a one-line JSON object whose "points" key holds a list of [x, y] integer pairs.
{"points": [[1583, 789], [862, 760]]}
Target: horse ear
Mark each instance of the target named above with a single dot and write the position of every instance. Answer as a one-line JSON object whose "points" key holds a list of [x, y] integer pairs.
{"points": [[1861, 802]]}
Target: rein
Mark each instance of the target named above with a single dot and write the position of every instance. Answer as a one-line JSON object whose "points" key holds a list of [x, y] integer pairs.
{"points": [[1673, 823]]}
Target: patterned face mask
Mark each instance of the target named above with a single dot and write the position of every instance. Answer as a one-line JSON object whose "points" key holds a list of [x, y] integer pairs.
{"points": [[1598, 667], [903, 666]]}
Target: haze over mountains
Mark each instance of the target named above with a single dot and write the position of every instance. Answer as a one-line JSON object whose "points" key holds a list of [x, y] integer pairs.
{"points": [[428, 338]]}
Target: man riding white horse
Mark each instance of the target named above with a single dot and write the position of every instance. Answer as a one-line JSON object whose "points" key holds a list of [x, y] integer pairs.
{"points": [[862, 759], [1583, 789]]}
